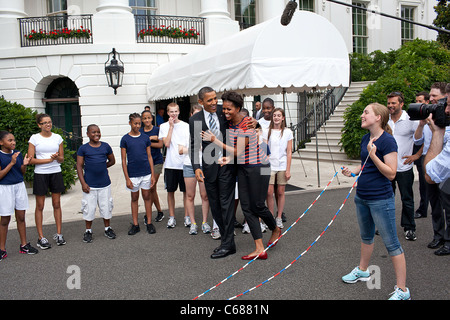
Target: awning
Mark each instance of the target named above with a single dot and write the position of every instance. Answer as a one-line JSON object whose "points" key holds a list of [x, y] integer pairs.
{"points": [[267, 58]]}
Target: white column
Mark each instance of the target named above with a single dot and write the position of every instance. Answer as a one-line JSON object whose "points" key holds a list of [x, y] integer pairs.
{"points": [[270, 9], [9, 12], [114, 24], [113, 6], [218, 24]]}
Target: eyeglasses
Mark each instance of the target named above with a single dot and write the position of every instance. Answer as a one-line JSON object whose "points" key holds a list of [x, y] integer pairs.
{"points": [[45, 123]]}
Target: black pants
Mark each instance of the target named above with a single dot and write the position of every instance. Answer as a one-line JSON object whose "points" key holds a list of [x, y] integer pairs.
{"points": [[253, 183], [423, 205], [405, 182], [445, 199], [220, 191]]}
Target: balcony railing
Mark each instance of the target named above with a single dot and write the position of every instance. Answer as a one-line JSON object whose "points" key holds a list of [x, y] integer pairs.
{"points": [[170, 29], [55, 30]]}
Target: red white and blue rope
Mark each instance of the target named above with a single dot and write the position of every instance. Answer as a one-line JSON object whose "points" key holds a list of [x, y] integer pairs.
{"points": [[287, 230]]}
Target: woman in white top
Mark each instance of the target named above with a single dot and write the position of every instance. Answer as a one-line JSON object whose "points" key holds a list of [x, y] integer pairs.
{"points": [[279, 139], [46, 151]]}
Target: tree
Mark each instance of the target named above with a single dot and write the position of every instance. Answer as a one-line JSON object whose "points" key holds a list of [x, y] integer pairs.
{"points": [[443, 21]]}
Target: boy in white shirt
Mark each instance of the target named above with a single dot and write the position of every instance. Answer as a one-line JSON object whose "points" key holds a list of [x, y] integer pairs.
{"points": [[173, 134]]}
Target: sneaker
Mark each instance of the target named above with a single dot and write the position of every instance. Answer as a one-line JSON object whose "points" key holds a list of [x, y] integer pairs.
{"points": [[283, 217], [145, 220], [59, 239], [159, 216], [3, 255], [43, 244], [215, 234], [187, 221], [171, 223], [109, 233], [399, 294], [28, 249], [206, 228], [246, 228], [193, 229], [133, 230], [410, 235], [356, 275], [87, 237], [263, 227], [279, 222], [151, 228]]}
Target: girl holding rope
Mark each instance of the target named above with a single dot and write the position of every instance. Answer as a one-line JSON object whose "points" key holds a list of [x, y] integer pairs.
{"points": [[374, 199]]}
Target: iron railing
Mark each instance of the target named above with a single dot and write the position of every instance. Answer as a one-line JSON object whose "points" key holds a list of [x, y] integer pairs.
{"points": [[169, 29], [55, 30], [318, 106]]}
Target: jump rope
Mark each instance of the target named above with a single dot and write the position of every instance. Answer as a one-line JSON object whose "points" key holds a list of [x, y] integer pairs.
{"points": [[290, 227]]}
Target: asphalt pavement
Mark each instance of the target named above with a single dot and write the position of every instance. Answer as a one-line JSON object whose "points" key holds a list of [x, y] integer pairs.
{"points": [[321, 245]]}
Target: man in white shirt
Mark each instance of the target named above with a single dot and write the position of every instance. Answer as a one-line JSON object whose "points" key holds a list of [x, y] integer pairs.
{"points": [[403, 131], [173, 133]]}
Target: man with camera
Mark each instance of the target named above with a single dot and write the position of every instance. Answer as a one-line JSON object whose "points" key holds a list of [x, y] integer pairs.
{"points": [[437, 168]]}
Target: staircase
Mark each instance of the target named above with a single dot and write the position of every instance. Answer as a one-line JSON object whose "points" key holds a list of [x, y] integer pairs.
{"points": [[329, 134]]}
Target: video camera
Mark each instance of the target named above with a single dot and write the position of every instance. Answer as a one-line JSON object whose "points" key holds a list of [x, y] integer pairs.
{"points": [[421, 111]]}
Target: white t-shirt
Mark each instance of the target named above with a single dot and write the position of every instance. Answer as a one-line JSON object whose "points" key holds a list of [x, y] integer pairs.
{"points": [[45, 147], [264, 123], [174, 160], [278, 147], [403, 131]]}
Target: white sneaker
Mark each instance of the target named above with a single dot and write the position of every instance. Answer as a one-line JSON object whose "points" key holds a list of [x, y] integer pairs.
{"points": [[279, 222], [245, 229], [215, 234], [399, 294], [206, 228], [187, 221], [193, 229], [263, 227], [171, 223]]}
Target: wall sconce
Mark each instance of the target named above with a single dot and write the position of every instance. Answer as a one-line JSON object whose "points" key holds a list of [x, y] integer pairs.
{"points": [[114, 70]]}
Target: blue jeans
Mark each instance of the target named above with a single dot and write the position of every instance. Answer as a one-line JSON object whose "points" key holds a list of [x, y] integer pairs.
{"points": [[379, 214]]}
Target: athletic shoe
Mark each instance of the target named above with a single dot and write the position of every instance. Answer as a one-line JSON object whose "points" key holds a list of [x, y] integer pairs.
{"points": [[246, 228], [3, 255], [43, 244], [399, 294], [145, 220], [171, 223], [87, 237], [59, 239], [356, 275], [109, 233], [151, 228], [263, 227], [206, 228], [28, 249], [215, 234], [193, 229], [279, 222], [133, 230], [187, 221], [159, 216], [410, 235]]}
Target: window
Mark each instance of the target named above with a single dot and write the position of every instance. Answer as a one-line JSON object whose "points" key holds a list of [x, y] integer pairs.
{"points": [[359, 21], [407, 28], [143, 7], [56, 7], [307, 5], [245, 13]]}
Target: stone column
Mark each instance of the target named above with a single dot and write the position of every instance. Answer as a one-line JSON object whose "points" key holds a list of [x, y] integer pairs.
{"points": [[218, 24], [113, 23], [9, 12]]}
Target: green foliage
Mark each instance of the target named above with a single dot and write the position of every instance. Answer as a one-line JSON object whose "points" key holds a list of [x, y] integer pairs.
{"points": [[418, 64], [370, 67], [443, 21], [21, 122]]}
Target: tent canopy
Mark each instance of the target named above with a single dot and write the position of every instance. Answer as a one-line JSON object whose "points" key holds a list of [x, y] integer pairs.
{"points": [[267, 58]]}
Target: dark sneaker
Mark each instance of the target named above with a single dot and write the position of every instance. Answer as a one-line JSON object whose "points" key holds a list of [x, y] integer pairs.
{"points": [[410, 235], [28, 249], [59, 239], [159, 216], [87, 237], [109, 233], [133, 230], [3, 255], [151, 228], [43, 244]]}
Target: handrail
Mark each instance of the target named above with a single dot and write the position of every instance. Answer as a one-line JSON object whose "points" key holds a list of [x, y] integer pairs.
{"points": [[321, 111]]}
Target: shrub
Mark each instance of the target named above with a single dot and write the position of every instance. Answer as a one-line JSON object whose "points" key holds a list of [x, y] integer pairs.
{"points": [[21, 122], [418, 64]]}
